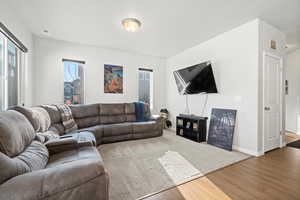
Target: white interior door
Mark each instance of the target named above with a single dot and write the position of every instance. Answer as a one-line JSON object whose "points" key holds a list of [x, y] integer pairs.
{"points": [[272, 101]]}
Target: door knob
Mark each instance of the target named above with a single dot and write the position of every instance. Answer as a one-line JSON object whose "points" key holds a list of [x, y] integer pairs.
{"points": [[267, 108]]}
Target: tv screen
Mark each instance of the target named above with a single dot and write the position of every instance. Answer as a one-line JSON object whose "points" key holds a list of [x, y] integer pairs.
{"points": [[196, 79]]}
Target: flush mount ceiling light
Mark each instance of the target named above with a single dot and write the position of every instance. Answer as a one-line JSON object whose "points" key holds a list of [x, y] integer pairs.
{"points": [[131, 24]]}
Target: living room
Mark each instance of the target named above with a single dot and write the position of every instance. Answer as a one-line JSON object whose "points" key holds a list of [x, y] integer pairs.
{"points": [[149, 100]]}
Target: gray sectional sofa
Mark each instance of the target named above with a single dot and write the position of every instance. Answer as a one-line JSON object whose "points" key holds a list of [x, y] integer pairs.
{"points": [[39, 160]]}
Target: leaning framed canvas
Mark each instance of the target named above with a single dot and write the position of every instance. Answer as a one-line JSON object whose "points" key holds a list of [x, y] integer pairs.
{"points": [[113, 79], [221, 128]]}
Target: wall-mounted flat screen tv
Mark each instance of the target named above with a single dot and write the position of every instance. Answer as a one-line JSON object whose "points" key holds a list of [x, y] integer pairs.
{"points": [[196, 79]]}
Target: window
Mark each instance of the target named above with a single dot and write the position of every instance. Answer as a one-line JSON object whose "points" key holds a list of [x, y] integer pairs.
{"points": [[12, 56], [73, 82], [2, 75], [12, 74], [9, 73], [146, 86]]}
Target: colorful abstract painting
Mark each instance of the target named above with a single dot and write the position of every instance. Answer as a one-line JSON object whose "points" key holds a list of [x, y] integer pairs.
{"points": [[113, 79]]}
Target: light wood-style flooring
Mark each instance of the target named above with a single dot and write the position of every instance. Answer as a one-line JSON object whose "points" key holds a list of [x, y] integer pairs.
{"points": [[276, 175], [291, 137]]}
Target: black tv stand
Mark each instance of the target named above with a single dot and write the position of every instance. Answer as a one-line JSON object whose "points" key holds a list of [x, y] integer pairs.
{"points": [[191, 127]]}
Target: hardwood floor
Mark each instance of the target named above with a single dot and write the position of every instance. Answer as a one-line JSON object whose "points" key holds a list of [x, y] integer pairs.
{"points": [[276, 175]]}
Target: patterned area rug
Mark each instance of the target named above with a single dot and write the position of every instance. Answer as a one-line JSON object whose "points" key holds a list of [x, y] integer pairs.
{"points": [[141, 167]]}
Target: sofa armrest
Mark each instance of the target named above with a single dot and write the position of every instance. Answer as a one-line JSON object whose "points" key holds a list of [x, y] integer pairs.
{"points": [[159, 120], [78, 180], [68, 142], [61, 144], [156, 118], [61, 141]]}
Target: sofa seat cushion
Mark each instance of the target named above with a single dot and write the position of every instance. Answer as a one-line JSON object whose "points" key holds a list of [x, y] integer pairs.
{"points": [[117, 129], [83, 153], [113, 119], [34, 157], [16, 133], [148, 126]]}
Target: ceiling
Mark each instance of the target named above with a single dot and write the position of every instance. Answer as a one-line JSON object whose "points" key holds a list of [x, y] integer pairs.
{"points": [[168, 26]]}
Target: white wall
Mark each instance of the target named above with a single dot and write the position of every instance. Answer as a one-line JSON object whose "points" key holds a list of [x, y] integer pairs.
{"points": [[293, 97], [49, 72], [234, 57], [14, 23]]}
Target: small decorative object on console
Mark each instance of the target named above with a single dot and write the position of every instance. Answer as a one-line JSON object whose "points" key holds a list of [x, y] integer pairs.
{"points": [[164, 113], [195, 126], [180, 122], [188, 124]]}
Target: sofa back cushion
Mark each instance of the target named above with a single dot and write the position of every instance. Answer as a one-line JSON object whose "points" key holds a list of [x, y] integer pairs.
{"points": [[147, 111], [34, 157], [86, 115], [130, 112], [16, 133], [38, 117], [56, 120], [54, 113], [112, 113]]}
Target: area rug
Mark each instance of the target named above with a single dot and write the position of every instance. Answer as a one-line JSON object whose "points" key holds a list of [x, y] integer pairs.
{"points": [[141, 167], [295, 144]]}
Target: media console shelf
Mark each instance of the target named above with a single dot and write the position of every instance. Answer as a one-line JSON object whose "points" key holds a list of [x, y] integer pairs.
{"points": [[191, 127]]}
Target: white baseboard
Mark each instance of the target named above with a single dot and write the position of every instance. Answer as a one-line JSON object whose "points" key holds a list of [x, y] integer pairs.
{"points": [[237, 148], [247, 151], [292, 131]]}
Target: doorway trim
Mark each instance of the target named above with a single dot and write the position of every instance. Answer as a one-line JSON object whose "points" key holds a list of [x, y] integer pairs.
{"points": [[280, 57]]}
